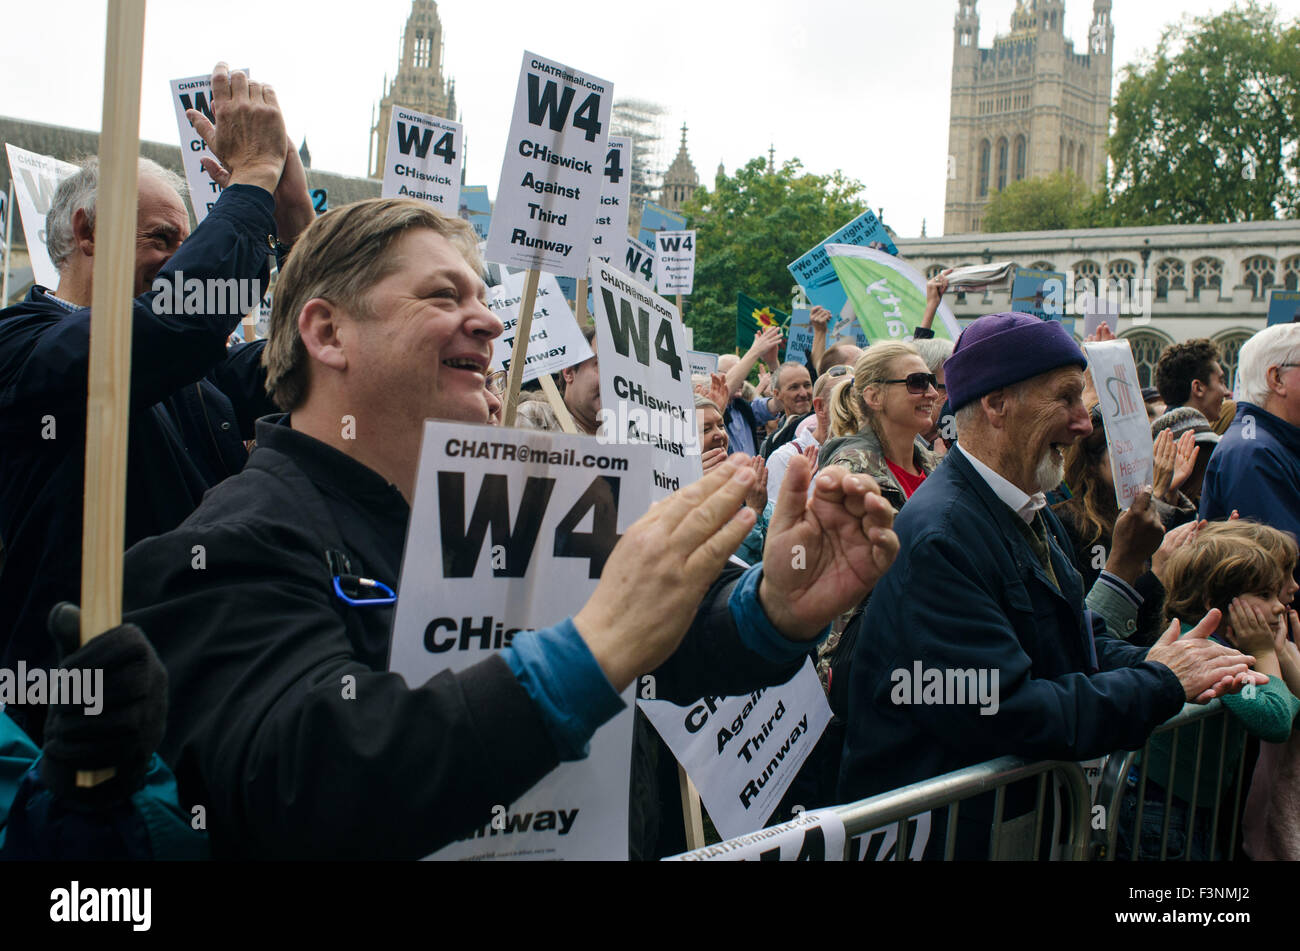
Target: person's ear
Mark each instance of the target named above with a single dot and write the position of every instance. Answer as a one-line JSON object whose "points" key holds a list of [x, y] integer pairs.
{"points": [[318, 325], [83, 232], [568, 374], [996, 406]]}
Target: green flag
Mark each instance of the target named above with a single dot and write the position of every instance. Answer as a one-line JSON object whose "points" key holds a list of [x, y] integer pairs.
{"points": [[753, 317], [888, 295]]}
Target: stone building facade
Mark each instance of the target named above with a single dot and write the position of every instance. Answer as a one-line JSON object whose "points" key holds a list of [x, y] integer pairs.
{"points": [[1026, 107], [418, 84], [1185, 281], [681, 180]]}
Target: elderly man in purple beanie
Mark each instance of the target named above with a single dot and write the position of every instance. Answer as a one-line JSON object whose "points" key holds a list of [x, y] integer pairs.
{"points": [[979, 642]]}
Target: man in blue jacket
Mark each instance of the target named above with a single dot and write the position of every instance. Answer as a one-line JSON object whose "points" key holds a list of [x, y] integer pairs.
{"points": [[1256, 466], [977, 643], [193, 401]]}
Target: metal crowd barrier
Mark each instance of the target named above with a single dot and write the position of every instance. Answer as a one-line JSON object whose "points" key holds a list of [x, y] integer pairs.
{"points": [[1194, 724], [898, 805], [1081, 841]]}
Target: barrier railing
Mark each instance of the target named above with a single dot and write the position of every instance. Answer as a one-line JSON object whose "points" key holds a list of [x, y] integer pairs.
{"points": [[1196, 830]]}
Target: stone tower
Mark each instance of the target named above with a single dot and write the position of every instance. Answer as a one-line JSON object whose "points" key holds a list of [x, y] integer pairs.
{"points": [[1025, 108], [680, 181], [419, 83]]}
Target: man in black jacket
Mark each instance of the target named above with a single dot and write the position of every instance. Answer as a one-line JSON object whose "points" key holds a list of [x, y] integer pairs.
{"points": [[284, 723], [192, 400]]}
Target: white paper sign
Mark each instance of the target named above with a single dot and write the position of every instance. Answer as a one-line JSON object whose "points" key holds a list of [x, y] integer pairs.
{"points": [[615, 195], [675, 261], [742, 753], [551, 177], [196, 93], [424, 159], [639, 261], [1098, 311], [880, 845], [36, 178], [509, 531], [645, 387], [554, 341], [1124, 413], [702, 363], [811, 837]]}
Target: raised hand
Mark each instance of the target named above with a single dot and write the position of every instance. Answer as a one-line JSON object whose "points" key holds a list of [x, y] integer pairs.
{"points": [[823, 554], [1163, 459], [1184, 459], [248, 137], [1137, 535], [757, 497], [819, 317], [1174, 539]]}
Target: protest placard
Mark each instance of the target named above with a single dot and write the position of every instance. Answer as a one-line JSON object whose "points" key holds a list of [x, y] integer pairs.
{"points": [[880, 845], [615, 194], [702, 363], [675, 261], [1124, 414], [549, 193], [195, 92], [1283, 306], [886, 293], [743, 752], [799, 339], [35, 179], [554, 340], [640, 262], [1097, 311], [809, 837], [424, 159], [645, 388], [813, 272], [476, 208], [1040, 294], [510, 531], [656, 218]]}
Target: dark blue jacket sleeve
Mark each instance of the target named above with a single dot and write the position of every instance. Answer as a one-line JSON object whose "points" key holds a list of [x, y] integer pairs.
{"points": [[168, 350]]}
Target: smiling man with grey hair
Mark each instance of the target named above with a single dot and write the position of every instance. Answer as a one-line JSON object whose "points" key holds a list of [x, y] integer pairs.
{"points": [[193, 402]]}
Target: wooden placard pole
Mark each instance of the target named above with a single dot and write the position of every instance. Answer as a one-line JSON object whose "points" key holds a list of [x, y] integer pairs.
{"points": [[556, 399], [109, 378], [691, 812], [580, 305], [520, 348], [9, 244]]}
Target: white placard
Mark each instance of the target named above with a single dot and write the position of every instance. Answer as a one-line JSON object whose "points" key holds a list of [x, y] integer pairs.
{"points": [[195, 93], [675, 261], [615, 195], [810, 837], [554, 341], [701, 362], [742, 753], [1124, 414], [645, 386], [881, 845], [424, 159], [36, 178], [639, 261], [551, 177], [492, 509]]}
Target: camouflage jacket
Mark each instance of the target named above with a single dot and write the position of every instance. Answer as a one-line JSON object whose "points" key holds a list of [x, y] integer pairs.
{"points": [[861, 453]]}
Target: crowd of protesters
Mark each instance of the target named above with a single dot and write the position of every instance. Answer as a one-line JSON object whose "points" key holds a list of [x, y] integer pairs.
{"points": [[953, 502]]}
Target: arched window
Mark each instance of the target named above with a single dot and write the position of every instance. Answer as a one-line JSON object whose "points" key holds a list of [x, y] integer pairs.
{"points": [[1121, 272], [984, 168], [422, 48], [1229, 343], [1291, 273], [1257, 274], [1206, 272], [1169, 274], [1021, 149], [1086, 273], [934, 270], [1147, 345], [1042, 266], [1002, 164], [1069, 157]]}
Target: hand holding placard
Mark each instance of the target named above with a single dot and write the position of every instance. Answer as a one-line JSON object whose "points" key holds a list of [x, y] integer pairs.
{"points": [[661, 568]]}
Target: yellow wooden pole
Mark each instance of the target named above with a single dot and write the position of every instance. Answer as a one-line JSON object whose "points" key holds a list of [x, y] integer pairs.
{"points": [[520, 348]]}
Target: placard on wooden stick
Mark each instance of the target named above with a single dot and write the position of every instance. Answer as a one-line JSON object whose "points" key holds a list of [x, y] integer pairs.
{"points": [[520, 349]]}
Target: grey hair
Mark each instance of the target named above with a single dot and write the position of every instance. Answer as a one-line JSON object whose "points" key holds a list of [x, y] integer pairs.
{"points": [[1271, 347], [77, 193], [933, 351]]}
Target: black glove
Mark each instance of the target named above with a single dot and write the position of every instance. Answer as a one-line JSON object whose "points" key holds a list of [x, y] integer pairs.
{"points": [[131, 712]]}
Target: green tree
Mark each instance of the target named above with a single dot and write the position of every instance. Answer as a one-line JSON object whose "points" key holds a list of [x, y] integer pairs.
{"points": [[1206, 129], [748, 229], [1054, 203]]}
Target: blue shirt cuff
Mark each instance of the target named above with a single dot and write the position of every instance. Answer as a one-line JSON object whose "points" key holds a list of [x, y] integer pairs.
{"points": [[756, 631], [761, 413], [557, 670], [1122, 587]]}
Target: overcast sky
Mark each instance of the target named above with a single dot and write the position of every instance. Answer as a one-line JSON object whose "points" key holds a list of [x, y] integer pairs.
{"points": [[860, 85]]}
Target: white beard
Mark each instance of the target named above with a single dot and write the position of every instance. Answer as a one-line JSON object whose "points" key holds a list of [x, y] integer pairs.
{"points": [[1049, 473]]}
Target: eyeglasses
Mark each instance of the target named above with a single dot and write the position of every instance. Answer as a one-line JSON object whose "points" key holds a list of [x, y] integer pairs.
{"points": [[917, 383], [839, 370], [496, 382]]}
